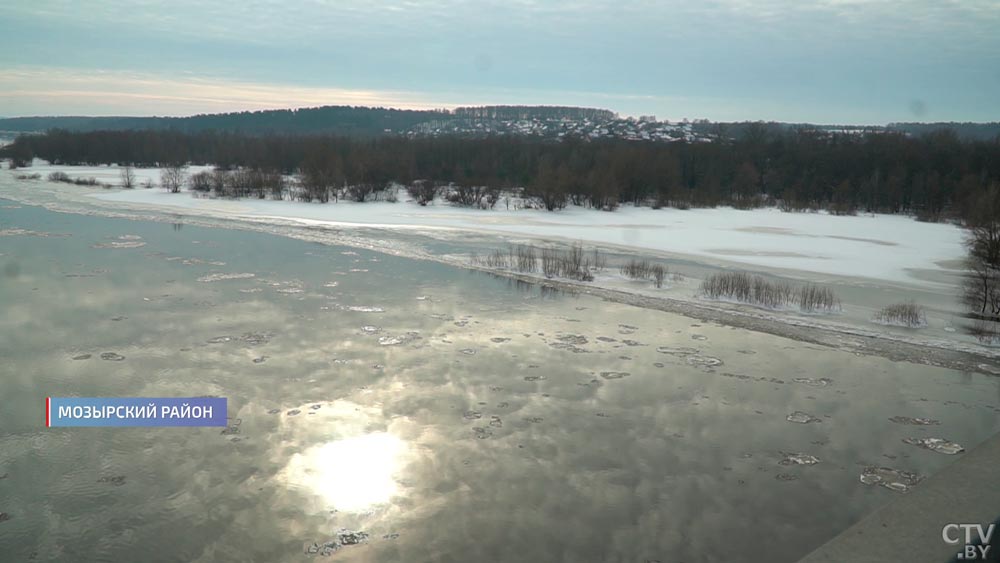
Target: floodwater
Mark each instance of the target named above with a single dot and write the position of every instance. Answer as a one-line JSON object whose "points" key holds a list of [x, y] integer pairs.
{"points": [[388, 409]]}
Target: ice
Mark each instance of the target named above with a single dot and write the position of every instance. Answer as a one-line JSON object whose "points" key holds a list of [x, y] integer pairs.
{"points": [[344, 538], [939, 445], [120, 244], [680, 352], [576, 339], [256, 338], [223, 277], [915, 421], [801, 417], [365, 309], [702, 361], [888, 247], [614, 374], [895, 480], [798, 459], [567, 346], [18, 232], [347, 537], [821, 382]]}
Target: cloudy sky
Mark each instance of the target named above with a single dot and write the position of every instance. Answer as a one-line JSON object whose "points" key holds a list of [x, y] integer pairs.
{"points": [[830, 61]]}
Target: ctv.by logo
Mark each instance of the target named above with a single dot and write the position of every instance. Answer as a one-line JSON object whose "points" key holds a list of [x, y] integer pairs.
{"points": [[970, 551]]}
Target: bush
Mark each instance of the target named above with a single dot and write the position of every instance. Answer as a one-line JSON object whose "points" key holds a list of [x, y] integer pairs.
{"points": [[526, 260], [423, 191], [59, 177], [902, 314], [202, 181], [644, 270], [572, 263], [756, 290], [813, 298]]}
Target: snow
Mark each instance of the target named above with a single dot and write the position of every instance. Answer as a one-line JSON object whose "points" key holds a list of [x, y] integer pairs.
{"points": [[883, 247], [110, 174]]}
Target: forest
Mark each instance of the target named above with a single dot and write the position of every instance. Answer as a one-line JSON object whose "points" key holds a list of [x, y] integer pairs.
{"points": [[934, 176]]}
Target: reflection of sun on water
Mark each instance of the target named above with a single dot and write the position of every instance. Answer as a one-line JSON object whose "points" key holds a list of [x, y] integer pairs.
{"points": [[352, 474]]}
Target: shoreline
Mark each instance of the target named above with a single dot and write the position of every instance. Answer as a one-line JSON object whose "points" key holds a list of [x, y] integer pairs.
{"points": [[952, 354]]}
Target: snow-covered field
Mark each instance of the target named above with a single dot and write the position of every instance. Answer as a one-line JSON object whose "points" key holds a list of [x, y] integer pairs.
{"points": [[887, 248], [103, 174], [883, 247]]}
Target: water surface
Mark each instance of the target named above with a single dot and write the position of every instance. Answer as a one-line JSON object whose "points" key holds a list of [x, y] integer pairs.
{"points": [[445, 414]]}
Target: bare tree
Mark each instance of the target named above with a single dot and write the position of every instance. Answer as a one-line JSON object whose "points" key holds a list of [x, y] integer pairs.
{"points": [[127, 177], [173, 178], [981, 286]]}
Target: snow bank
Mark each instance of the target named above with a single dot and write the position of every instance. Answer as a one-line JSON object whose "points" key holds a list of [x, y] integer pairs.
{"points": [[884, 247]]}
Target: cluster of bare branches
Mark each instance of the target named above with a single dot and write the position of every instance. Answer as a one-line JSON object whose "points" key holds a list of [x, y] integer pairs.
{"points": [[127, 174], [907, 314], [173, 178], [241, 182], [483, 197], [571, 263], [525, 259], [423, 191], [757, 290], [644, 270], [981, 287], [598, 261], [814, 298], [519, 258]]}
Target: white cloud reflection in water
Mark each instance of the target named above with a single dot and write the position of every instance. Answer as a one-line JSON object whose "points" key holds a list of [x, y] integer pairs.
{"points": [[351, 474]]}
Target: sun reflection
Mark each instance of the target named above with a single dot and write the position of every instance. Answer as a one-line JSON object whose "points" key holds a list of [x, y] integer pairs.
{"points": [[352, 474]]}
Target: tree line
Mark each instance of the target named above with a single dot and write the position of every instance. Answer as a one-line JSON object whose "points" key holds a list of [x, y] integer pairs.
{"points": [[933, 176]]}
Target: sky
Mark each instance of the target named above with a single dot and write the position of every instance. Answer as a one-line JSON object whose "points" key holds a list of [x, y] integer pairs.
{"points": [[825, 61]]}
